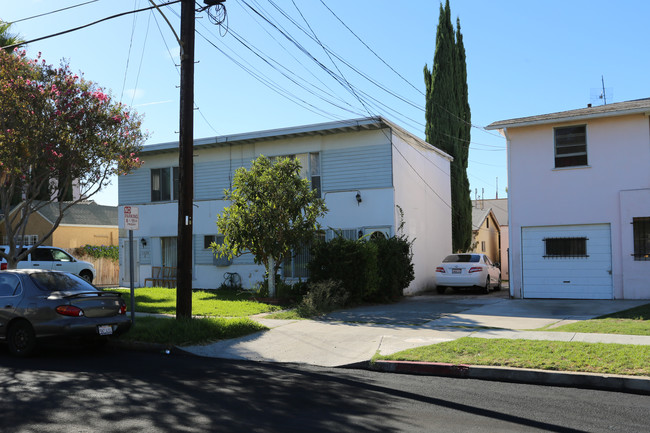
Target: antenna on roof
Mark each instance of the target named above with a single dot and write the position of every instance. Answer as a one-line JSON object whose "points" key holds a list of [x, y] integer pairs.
{"points": [[497, 196], [600, 95]]}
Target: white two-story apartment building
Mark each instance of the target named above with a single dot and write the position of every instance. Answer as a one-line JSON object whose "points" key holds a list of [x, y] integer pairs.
{"points": [[579, 202], [366, 171]]}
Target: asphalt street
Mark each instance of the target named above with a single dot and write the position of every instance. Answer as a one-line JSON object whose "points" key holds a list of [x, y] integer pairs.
{"points": [[67, 389]]}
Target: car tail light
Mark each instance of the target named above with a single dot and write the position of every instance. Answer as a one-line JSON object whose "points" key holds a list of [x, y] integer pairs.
{"points": [[440, 269], [3, 267], [123, 309], [69, 310], [475, 269]]}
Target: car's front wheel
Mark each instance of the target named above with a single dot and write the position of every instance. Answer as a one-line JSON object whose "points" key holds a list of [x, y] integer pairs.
{"points": [[21, 338], [86, 275]]}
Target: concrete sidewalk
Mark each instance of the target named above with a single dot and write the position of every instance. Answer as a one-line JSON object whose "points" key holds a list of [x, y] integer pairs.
{"points": [[356, 335], [352, 337]]}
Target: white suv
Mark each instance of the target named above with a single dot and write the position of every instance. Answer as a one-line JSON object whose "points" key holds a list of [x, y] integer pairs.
{"points": [[55, 259]]}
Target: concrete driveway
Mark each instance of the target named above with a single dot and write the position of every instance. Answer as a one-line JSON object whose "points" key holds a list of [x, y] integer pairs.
{"points": [[355, 335]]}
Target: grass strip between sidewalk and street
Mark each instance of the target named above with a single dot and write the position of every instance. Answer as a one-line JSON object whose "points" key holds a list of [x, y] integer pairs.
{"points": [[170, 331], [635, 321], [545, 355]]}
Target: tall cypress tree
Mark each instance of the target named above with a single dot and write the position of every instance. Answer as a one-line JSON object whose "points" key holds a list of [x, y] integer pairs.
{"points": [[448, 119], [464, 200]]}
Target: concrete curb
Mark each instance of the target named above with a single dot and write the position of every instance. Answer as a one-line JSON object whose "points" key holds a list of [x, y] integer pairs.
{"points": [[606, 382]]}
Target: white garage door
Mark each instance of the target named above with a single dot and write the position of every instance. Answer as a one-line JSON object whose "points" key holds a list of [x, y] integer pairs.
{"points": [[570, 262]]}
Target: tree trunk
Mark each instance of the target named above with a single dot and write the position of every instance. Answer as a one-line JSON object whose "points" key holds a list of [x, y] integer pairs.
{"points": [[271, 276]]}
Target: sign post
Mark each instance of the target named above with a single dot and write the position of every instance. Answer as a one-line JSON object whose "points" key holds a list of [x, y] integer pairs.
{"points": [[131, 222]]}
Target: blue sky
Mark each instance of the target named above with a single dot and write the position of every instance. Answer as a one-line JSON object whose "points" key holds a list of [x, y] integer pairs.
{"points": [[523, 57]]}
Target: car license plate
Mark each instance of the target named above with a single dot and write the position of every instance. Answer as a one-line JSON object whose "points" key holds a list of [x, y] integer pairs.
{"points": [[105, 329], [456, 271]]}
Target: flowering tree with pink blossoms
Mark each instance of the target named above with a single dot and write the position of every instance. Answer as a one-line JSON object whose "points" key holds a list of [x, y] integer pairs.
{"points": [[59, 133]]}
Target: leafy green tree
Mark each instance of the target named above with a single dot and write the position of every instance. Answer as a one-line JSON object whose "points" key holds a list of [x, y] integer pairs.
{"points": [[273, 211], [58, 131], [7, 38], [448, 116]]}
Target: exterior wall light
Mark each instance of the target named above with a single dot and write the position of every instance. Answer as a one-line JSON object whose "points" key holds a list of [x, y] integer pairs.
{"points": [[358, 197]]}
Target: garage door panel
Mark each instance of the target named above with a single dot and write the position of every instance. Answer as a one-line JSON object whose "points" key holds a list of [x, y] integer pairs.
{"points": [[567, 277], [575, 292]]}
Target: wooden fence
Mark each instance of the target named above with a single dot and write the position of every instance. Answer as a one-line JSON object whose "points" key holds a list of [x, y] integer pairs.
{"points": [[107, 271]]}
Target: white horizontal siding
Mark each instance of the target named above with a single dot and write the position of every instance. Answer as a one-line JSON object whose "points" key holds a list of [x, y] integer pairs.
{"points": [[567, 277], [357, 168], [135, 187]]}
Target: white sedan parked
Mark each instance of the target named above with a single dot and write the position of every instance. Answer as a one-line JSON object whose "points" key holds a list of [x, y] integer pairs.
{"points": [[468, 270]]}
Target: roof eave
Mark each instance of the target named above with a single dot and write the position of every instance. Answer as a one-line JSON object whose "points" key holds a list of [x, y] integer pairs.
{"points": [[564, 119]]}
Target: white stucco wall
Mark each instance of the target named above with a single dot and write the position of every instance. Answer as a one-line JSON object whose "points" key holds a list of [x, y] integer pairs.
{"points": [[539, 195], [423, 191]]}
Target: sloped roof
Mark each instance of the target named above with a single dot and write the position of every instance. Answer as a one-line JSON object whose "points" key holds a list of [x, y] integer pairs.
{"points": [[340, 126], [499, 206], [478, 216], [638, 106], [82, 213]]}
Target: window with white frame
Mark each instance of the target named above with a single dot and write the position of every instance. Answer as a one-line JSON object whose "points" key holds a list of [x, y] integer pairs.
{"points": [[309, 167], [641, 228], [571, 146], [165, 183], [26, 240]]}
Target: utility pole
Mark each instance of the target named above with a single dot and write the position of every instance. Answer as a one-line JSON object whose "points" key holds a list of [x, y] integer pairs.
{"points": [[186, 165], [185, 160]]}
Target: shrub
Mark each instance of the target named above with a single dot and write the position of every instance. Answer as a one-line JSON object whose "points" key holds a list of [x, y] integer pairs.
{"points": [[354, 263], [395, 265], [111, 252], [323, 297], [376, 270]]}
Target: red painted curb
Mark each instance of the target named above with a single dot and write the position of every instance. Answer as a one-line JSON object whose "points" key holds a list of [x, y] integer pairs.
{"points": [[429, 368]]}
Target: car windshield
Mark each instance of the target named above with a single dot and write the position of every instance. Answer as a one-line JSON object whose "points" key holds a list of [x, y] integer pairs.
{"points": [[462, 258], [61, 282]]}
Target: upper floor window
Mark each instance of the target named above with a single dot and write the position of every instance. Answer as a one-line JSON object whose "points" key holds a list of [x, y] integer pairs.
{"points": [[641, 227], [571, 146], [165, 184], [310, 167]]}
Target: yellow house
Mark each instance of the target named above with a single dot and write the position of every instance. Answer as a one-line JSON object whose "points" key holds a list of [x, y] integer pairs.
{"points": [[486, 233], [82, 224]]}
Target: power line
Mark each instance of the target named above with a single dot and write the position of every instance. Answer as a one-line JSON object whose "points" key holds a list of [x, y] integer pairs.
{"points": [[128, 56], [52, 12], [88, 25]]}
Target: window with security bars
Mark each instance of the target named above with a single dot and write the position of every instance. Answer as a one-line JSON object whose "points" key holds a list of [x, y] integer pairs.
{"points": [[297, 264], [571, 146], [565, 247], [641, 238]]}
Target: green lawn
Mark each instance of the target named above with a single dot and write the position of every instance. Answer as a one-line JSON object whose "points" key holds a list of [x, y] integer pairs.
{"points": [[545, 355], [551, 355], [209, 303], [635, 321], [170, 331], [224, 316]]}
